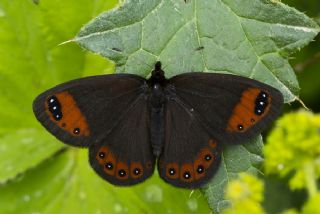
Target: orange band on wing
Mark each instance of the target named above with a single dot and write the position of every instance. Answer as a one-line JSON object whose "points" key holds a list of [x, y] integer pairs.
{"points": [[63, 110], [253, 106]]}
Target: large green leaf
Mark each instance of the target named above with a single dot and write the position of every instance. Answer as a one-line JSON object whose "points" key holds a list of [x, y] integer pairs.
{"points": [[252, 38], [248, 37], [31, 61]]}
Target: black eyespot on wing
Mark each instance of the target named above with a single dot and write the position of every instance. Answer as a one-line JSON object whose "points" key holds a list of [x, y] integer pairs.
{"points": [[122, 173], [172, 171], [102, 154], [261, 103], [109, 165], [54, 107], [200, 169], [187, 175], [208, 157], [136, 171]]}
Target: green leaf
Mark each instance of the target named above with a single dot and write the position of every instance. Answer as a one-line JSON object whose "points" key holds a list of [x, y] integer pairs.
{"points": [[23, 149], [67, 184], [31, 61], [252, 38]]}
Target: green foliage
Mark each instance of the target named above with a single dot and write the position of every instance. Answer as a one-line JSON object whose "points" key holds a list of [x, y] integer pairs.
{"points": [[293, 150], [235, 159], [31, 61], [246, 195], [306, 63], [252, 39], [312, 206], [293, 147], [66, 184], [39, 174], [291, 211]]}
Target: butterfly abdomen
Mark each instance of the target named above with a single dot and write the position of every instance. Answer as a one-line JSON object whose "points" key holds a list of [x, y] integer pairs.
{"points": [[157, 130]]}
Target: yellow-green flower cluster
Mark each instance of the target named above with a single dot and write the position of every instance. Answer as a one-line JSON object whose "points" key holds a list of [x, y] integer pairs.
{"points": [[294, 146], [290, 211], [312, 206], [245, 194]]}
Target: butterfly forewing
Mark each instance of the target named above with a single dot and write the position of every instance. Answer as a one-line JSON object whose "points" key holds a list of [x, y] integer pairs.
{"points": [[234, 108], [82, 111]]}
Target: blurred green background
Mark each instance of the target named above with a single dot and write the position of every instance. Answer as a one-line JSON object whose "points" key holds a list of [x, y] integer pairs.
{"points": [[40, 175]]}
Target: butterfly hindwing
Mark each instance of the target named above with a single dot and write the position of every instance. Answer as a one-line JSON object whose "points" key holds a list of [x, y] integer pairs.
{"points": [[124, 156], [81, 111], [234, 108], [190, 156]]}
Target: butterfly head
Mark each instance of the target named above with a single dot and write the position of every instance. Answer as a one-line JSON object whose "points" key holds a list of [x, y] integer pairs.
{"points": [[157, 66], [157, 72], [157, 76]]}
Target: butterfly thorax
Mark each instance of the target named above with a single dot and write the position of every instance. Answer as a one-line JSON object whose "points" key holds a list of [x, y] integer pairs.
{"points": [[156, 83]]}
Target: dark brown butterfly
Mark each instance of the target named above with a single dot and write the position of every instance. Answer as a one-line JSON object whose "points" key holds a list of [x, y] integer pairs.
{"points": [[129, 123]]}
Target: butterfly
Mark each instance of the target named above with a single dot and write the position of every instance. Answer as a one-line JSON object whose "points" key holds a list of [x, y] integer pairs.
{"points": [[179, 125]]}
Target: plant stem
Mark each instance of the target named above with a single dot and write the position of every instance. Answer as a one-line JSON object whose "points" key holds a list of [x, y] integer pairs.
{"points": [[310, 179]]}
